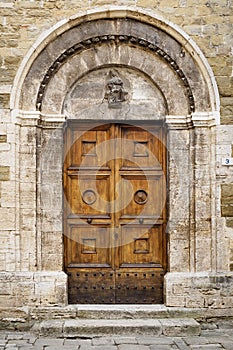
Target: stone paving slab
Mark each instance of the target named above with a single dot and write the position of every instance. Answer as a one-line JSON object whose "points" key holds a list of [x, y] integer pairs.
{"points": [[132, 347], [161, 347], [181, 344], [103, 341], [208, 340], [125, 340], [207, 347], [155, 340]]}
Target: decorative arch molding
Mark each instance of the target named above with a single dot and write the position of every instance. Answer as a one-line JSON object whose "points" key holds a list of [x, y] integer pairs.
{"points": [[155, 34], [117, 39]]}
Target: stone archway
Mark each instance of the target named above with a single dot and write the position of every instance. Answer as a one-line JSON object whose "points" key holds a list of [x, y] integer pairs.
{"points": [[169, 80]]}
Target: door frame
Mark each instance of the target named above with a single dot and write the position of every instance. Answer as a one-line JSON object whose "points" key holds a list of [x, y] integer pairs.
{"points": [[145, 125]]}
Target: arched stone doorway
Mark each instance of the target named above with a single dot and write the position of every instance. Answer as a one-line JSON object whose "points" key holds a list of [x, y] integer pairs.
{"points": [[167, 80]]}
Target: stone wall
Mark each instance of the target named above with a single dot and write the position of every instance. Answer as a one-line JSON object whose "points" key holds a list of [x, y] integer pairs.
{"points": [[32, 289], [209, 24], [213, 291], [225, 182]]}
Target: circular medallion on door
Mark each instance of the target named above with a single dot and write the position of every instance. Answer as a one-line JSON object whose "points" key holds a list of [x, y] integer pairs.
{"points": [[140, 197], [89, 197]]}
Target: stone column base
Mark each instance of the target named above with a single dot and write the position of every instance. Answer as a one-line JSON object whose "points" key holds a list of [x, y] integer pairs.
{"points": [[198, 290], [45, 288]]}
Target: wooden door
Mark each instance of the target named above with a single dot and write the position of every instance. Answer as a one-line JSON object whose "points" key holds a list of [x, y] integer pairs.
{"points": [[114, 180]]}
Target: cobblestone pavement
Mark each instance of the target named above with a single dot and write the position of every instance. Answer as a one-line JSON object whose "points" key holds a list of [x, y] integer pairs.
{"points": [[208, 340]]}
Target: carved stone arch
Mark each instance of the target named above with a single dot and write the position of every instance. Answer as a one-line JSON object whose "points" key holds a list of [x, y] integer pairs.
{"points": [[169, 77], [61, 39], [142, 48]]}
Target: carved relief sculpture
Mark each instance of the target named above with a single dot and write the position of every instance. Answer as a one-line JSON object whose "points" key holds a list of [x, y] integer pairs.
{"points": [[115, 93]]}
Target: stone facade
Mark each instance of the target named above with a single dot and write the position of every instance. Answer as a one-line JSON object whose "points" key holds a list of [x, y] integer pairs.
{"points": [[69, 46]]}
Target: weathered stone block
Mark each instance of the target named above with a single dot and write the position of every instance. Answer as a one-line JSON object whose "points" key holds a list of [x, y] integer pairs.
{"points": [[180, 247], [54, 327], [7, 218], [229, 222], [4, 173], [3, 138], [4, 100], [227, 200], [206, 289], [5, 288], [28, 288]]}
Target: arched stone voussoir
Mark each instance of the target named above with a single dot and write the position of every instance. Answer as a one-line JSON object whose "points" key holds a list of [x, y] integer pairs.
{"points": [[123, 32], [169, 93]]}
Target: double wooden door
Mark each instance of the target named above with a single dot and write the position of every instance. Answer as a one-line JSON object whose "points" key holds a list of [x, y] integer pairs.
{"points": [[114, 181]]}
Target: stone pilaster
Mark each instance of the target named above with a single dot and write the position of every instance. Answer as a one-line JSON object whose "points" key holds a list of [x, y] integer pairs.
{"points": [[26, 166], [49, 205], [181, 247], [204, 191]]}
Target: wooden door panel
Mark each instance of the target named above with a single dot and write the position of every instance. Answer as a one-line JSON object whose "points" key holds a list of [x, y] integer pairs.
{"points": [[89, 194], [89, 148], [139, 147], [140, 246], [141, 286], [142, 195], [114, 213], [89, 246], [91, 286]]}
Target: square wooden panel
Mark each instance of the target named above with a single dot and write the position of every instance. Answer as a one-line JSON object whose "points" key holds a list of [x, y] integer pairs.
{"points": [[140, 245], [89, 148], [90, 194], [143, 195], [89, 245], [140, 149], [142, 286], [91, 286]]}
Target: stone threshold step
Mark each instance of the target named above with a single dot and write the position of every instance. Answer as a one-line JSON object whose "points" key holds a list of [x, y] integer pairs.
{"points": [[117, 311], [71, 328]]}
